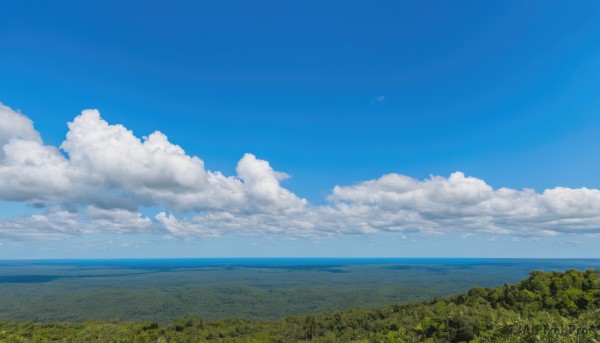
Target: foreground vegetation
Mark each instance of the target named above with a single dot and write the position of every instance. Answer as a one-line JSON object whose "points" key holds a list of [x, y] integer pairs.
{"points": [[546, 307]]}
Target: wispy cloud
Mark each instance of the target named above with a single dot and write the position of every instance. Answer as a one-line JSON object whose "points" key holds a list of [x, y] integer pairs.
{"points": [[102, 174], [379, 98]]}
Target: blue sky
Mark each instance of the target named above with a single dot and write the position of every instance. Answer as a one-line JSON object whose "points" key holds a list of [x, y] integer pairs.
{"points": [[331, 93]]}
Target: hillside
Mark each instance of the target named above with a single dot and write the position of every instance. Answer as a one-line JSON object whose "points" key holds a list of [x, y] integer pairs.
{"points": [[546, 307]]}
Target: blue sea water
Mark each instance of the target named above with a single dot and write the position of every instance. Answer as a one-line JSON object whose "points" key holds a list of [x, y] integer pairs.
{"points": [[516, 265], [24, 271], [173, 263]]}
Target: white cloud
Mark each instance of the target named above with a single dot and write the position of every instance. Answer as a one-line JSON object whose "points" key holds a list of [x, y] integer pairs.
{"points": [[29, 170], [220, 223], [104, 173], [116, 220], [57, 223], [14, 125], [149, 171], [263, 192], [33, 172], [108, 166], [397, 202], [154, 171]]}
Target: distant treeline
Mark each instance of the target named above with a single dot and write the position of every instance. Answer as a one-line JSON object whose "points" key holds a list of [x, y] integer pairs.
{"points": [[546, 307]]}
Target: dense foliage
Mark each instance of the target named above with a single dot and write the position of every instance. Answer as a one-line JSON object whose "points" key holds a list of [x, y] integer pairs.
{"points": [[271, 289], [546, 307]]}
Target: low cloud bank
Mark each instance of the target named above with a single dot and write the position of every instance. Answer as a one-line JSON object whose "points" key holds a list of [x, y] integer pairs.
{"points": [[102, 174]]}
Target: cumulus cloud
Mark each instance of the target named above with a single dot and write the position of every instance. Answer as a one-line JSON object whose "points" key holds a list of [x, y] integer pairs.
{"points": [[262, 189], [220, 223], [148, 171], [33, 172], [59, 223], [103, 173], [397, 202], [14, 125], [109, 167], [29, 170]]}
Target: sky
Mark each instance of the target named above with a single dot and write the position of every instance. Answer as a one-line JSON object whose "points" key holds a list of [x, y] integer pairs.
{"points": [[299, 129]]}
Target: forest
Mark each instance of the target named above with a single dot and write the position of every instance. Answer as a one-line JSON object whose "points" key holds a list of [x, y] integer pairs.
{"points": [[545, 307]]}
